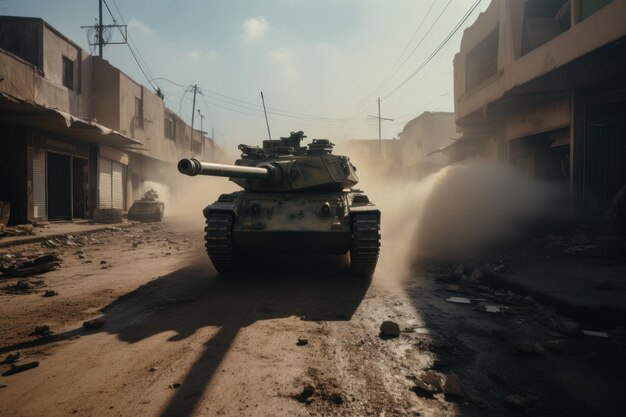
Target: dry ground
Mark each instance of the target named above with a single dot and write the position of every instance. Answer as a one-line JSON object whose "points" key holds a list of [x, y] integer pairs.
{"points": [[180, 341]]}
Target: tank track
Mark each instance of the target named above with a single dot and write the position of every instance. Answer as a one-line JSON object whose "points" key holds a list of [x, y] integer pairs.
{"points": [[364, 244], [218, 241]]}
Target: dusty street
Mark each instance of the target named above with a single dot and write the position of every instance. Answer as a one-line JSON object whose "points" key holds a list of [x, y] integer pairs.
{"points": [[180, 341]]}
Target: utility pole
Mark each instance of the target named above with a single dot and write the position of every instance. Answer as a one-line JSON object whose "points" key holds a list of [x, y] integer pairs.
{"points": [[380, 135], [100, 31], [193, 112], [97, 33]]}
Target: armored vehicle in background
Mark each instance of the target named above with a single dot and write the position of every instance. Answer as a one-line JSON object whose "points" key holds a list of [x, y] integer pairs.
{"points": [[296, 199], [148, 208]]}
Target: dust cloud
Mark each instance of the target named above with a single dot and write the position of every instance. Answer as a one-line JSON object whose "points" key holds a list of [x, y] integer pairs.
{"points": [[455, 212]]}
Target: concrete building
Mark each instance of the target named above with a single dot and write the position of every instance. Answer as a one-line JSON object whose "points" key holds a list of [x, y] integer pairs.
{"points": [[542, 84], [422, 136], [77, 134]]}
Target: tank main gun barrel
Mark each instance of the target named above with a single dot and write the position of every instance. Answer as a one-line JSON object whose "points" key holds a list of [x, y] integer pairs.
{"points": [[194, 167]]}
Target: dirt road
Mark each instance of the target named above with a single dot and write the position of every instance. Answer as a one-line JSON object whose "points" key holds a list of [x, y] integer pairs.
{"points": [[181, 341]]}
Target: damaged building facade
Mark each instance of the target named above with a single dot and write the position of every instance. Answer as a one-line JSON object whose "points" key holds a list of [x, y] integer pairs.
{"points": [[422, 138], [542, 84], [76, 133]]}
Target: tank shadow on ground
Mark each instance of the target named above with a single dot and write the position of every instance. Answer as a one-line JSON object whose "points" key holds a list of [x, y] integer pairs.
{"points": [[195, 297]]}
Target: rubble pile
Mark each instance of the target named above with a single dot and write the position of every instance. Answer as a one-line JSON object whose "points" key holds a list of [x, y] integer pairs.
{"points": [[21, 265], [65, 241], [19, 230]]}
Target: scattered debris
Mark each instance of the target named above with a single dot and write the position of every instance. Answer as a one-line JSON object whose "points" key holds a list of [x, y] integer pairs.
{"points": [[429, 343], [307, 392], [593, 333], [107, 215], [42, 331], [459, 300], [428, 383], [21, 368], [519, 402], [20, 267], [389, 329], [50, 293], [20, 286], [94, 323], [477, 275], [302, 341], [453, 386], [153, 369], [488, 308], [174, 385]]}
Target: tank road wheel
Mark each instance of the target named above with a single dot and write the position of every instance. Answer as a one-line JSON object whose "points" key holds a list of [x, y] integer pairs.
{"points": [[364, 244], [218, 241]]}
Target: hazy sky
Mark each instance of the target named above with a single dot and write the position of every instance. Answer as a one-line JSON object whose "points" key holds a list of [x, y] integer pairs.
{"points": [[320, 63]]}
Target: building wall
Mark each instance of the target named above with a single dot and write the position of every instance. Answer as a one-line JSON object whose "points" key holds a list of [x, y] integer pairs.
{"points": [[423, 135], [515, 69], [19, 76], [535, 107], [22, 37]]}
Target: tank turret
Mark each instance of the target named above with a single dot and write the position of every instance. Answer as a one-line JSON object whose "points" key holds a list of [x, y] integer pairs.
{"points": [[282, 165]]}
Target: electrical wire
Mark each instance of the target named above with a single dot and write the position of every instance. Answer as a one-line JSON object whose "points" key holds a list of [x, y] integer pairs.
{"points": [[436, 51], [389, 74], [148, 78]]}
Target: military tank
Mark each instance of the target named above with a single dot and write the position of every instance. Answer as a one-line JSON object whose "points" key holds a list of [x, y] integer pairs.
{"points": [[295, 200], [148, 208]]}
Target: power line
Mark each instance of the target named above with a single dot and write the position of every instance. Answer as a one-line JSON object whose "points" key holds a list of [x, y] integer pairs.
{"points": [[389, 74], [131, 51], [436, 51]]}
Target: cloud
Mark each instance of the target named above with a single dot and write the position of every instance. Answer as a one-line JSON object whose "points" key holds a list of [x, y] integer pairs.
{"points": [[285, 59], [139, 26], [197, 55], [254, 28]]}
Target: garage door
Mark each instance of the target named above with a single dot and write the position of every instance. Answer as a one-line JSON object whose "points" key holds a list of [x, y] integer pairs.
{"points": [[110, 184]]}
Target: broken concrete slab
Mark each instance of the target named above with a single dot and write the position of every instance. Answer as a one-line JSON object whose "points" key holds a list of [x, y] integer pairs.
{"points": [[459, 300]]}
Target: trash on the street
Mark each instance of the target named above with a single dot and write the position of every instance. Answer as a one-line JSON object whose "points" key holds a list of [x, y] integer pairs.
{"points": [[593, 333], [302, 341], [459, 300]]}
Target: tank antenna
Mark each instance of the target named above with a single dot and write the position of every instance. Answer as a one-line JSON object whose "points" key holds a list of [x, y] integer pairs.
{"points": [[266, 121]]}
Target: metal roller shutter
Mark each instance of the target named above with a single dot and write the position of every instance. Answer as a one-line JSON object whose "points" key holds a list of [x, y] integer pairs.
{"points": [[104, 183], [39, 184], [59, 187], [117, 185]]}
